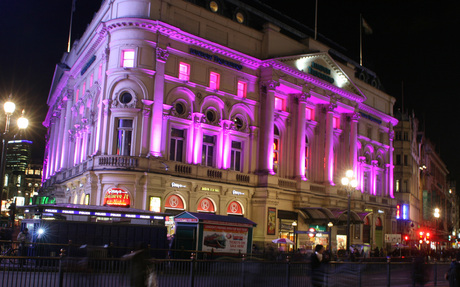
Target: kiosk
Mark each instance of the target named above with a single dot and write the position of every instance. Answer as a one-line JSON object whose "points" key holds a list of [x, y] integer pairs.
{"points": [[213, 233], [124, 229]]}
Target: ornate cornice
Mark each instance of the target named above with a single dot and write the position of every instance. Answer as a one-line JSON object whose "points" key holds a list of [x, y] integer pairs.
{"points": [[179, 35]]}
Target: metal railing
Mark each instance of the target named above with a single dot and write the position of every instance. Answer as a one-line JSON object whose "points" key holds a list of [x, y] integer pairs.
{"points": [[96, 266]]}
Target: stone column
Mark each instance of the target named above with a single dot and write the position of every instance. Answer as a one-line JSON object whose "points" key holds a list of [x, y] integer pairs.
{"points": [[65, 136], [329, 147], [105, 127], [224, 149], [197, 137], [300, 144], [158, 97], [391, 136], [354, 143], [267, 111]]}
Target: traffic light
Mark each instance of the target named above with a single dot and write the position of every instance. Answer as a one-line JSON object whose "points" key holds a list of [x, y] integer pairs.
{"points": [[428, 236], [406, 238], [421, 233]]}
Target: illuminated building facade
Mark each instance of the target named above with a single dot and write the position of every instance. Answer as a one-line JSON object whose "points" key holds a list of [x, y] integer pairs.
{"points": [[220, 107]]}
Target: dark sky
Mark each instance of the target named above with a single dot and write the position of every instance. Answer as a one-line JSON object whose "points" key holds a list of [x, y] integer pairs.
{"points": [[412, 46]]}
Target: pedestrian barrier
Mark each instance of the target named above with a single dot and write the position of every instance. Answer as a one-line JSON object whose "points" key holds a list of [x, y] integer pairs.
{"points": [[99, 270]]}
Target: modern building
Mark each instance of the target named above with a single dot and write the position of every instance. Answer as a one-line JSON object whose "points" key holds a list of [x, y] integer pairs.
{"points": [[18, 155], [224, 107]]}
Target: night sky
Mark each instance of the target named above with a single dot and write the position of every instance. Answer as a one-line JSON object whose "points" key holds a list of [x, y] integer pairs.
{"points": [[411, 49]]}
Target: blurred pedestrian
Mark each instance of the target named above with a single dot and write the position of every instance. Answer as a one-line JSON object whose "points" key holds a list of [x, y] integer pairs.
{"points": [[453, 274], [420, 272], [317, 266], [24, 239]]}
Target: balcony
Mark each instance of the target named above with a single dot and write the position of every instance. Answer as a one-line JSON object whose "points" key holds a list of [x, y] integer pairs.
{"points": [[154, 165]]}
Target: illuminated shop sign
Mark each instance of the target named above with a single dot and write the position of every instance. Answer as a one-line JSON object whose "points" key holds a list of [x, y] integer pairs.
{"points": [[216, 59], [177, 185], [204, 188], [371, 118], [402, 211], [236, 192], [99, 213], [321, 72], [117, 197]]}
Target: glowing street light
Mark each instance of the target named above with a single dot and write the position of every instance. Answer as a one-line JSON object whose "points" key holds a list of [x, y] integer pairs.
{"points": [[9, 107], [437, 214]]}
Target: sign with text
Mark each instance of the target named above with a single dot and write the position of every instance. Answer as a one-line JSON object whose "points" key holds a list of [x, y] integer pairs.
{"points": [[117, 197], [230, 239]]}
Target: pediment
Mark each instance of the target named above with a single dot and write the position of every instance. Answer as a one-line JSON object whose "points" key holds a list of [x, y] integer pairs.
{"points": [[322, 66]]}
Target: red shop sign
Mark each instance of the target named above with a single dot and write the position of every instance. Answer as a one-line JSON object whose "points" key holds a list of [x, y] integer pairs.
{"points": [[117, 197]]}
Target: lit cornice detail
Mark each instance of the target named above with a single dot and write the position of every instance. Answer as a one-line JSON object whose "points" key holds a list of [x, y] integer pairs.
{"points": [[179, 35]]}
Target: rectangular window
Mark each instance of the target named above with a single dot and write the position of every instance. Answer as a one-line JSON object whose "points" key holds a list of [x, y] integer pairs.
{"points": [[242, 88], [309, 114], [83, 90], [127, 58], [184, 71], [207, 155], [335, 123], [398, 159], [397, 188], [86, 201], [176, 146], [91, 79], [279, 104], [124, 137], [77, 94], [236, 152], [406, 161], [214, 81]]}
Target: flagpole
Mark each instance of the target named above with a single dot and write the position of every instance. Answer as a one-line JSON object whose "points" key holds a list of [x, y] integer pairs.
{"points": [[70, 26], [316, 19], [361, 39]]}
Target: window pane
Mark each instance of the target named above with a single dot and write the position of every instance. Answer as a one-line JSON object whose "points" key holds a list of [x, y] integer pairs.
{"points": [[128, 58], [180, 144], [172, 150]]}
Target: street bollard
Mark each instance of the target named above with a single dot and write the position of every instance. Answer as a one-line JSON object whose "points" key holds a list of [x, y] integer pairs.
{"points": [[435, 273], [388, 272], [242, 270], [192, 269], [288, 267], [61, 271]]}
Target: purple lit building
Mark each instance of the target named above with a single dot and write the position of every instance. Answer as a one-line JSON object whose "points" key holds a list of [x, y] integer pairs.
{"points": [[225, 107]]}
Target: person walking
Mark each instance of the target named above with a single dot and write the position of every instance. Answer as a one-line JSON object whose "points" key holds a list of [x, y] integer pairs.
{"points": [[24, 239], [317, 266]]}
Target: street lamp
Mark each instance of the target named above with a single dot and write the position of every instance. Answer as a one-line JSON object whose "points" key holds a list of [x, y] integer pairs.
{"points": [[436, 215], [294, 226], [9, 108], [330, 224], [349, 183]]}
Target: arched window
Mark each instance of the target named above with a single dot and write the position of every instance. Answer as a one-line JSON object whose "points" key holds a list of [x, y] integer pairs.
{"points": [[276, 149], [307, 156]]}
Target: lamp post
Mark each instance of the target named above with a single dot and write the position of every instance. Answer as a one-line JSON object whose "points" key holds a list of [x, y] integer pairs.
{"points": [[349, 183], [330, 224], [9, 108], [436, 215], [294, 225]]}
